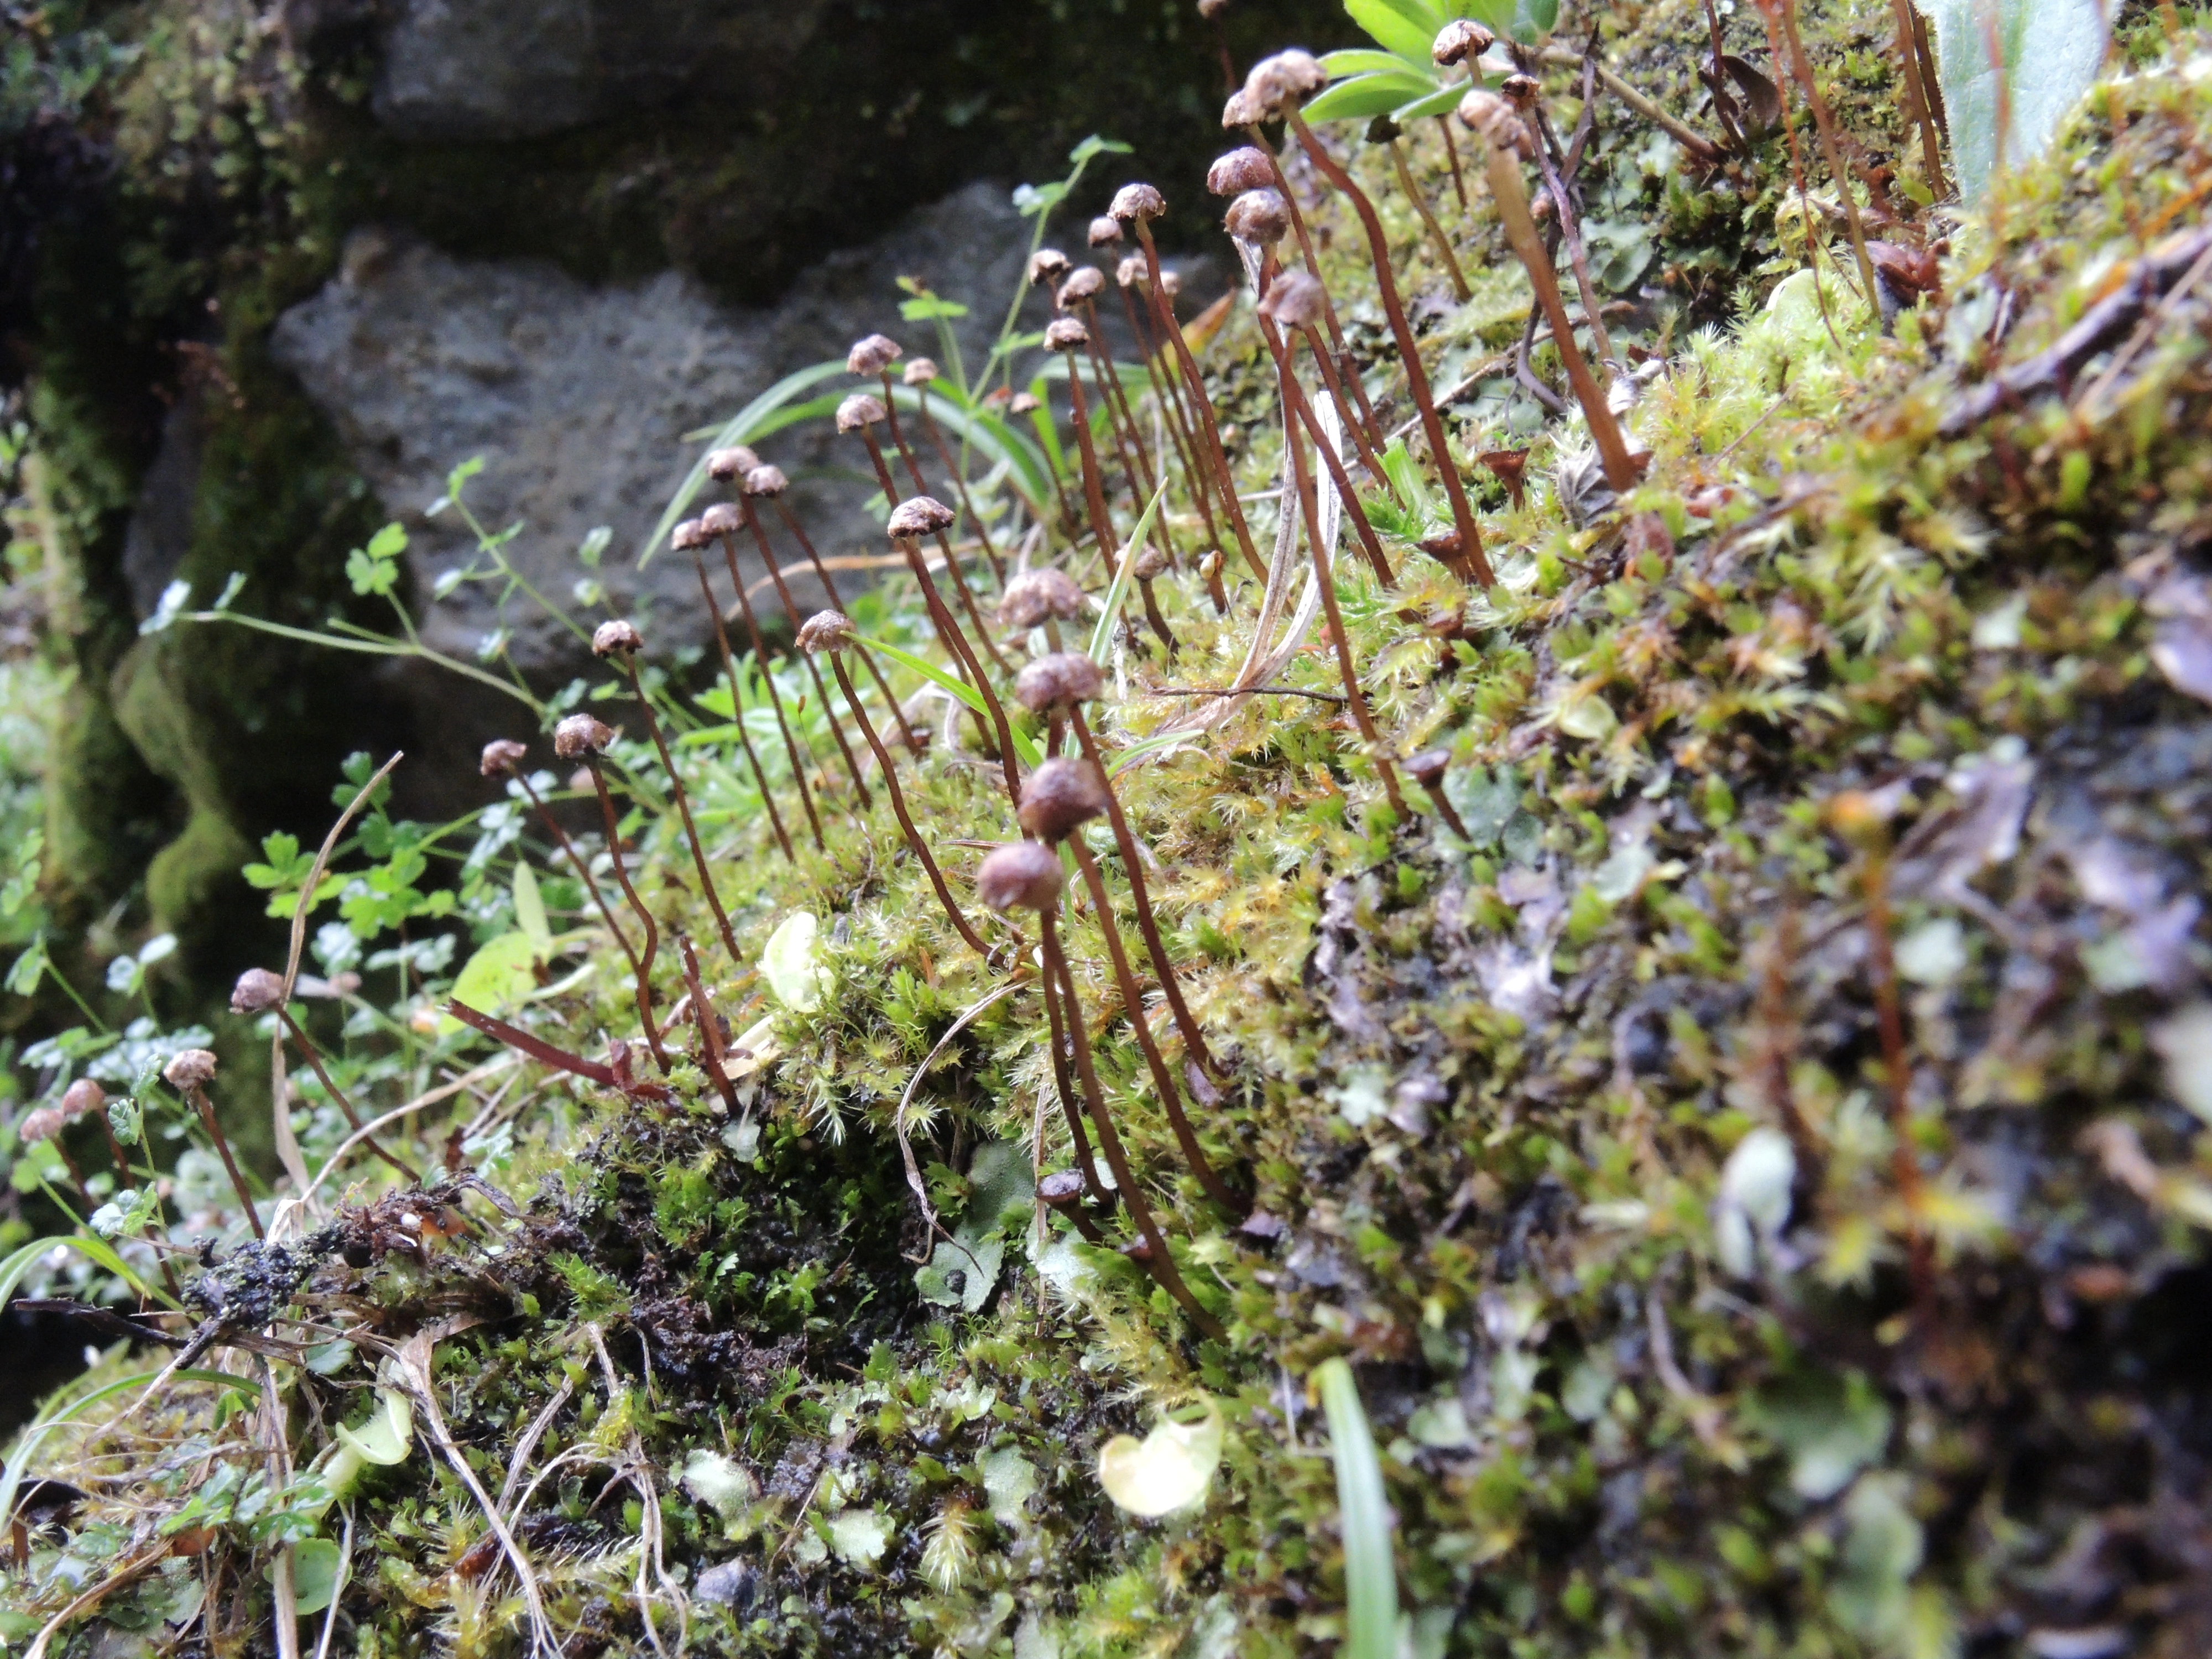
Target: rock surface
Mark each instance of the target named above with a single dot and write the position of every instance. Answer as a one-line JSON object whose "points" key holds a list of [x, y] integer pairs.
{"points": [[578, 397], [492, 69]]}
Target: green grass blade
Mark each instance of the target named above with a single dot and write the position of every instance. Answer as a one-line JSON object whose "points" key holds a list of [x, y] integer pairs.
{"points": [[1024, 746], [1118, 594], [19, 1461], [747, 423], [1371, 1578], [14, 1269], [1025, 460]]}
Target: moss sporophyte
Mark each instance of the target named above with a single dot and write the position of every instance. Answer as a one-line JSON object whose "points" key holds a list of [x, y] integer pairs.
{"points": [[1663, 797]]}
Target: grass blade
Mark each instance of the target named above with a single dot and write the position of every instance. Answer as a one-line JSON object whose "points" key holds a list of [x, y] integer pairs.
{"points": [[1371, 1578], [1118, 593], [748, 422], [1024, 746]]}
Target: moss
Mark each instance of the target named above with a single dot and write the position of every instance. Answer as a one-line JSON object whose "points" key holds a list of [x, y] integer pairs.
{"points": [[1577, 1138]]}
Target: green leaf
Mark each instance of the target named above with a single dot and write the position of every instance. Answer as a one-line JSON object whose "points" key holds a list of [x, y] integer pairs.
{"points": [[1371, 1578], [1366, 96], [2050, 51], [460, 475], [497, 976], [1360, 60], [315, 1564], [1532, 21], [369, 575], [1443, 101], [1405, 27], [593, 547], [388, 543], [1094, 146], [929, 307], [29, 968], [530, 912], [1102, 635]]}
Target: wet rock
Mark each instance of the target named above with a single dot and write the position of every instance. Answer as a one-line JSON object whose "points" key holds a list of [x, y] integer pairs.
{"points": [[482, 68], [577, 398]]}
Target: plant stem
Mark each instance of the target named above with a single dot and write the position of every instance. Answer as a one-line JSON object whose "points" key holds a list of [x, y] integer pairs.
{"points": [[1133, 999], [960, 487], [1366, 430], [1094, 489], [337, 1095], [1416, 378], [1124, 841], [1451, 155], [1571, 236], [703, 1017], [1325, 579], [791, 748], [1827, 123], [1225, 482], [737, 719], [1621, 471], [1916, 94], [960, 924], [682, 808], [1368, 541], [1159, 1262], [205, 1107], [1056, 1029], [583, 870], [1459, 289], [638, 909], [944, 540], [790, 609], [830, 586]]}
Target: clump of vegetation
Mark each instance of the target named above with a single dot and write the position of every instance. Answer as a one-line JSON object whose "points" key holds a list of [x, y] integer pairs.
{"points": [[1732, 1174]]}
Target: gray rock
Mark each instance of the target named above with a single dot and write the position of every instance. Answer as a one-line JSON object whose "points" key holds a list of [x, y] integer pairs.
{"points": [[493, 69], [160, 532], [578, 397]]}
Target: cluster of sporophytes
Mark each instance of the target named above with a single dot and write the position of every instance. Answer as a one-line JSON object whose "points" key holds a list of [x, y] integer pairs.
{"points": [[1558, 947]]}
